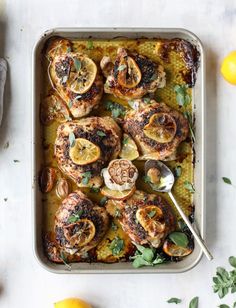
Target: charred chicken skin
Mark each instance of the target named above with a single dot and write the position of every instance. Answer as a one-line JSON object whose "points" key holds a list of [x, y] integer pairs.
{"points": [[132, 75], [156, 128], [80, 224], [147, 218], [95, 141]]}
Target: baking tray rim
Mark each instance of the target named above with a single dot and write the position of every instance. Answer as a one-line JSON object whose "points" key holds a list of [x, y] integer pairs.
{"points": [[127, 31]]}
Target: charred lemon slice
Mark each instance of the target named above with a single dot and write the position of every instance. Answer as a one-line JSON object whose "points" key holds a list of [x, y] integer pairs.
{"points": [[80, 233], [151, 219], [83, 72], [116, 194], [161, 127], [129, 148], [129, 74], [53, 108], [174, 250], [84, 152]]}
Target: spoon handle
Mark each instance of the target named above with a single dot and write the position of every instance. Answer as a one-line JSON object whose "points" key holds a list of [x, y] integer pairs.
{"points": [[196, 236]]}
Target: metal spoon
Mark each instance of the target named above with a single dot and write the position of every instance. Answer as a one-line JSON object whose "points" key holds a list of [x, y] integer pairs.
{"points": [[166, 183]]}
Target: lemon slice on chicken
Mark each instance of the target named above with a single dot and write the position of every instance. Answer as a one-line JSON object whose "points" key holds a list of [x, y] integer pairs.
{"points": [[174, 250], [129, 148], [84, 152], [82, 74], [80, 233], [161, 127], [129, 74]]}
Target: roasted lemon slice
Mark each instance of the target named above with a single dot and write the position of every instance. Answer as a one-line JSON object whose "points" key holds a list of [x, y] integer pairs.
{"points": [[161, 127], [129, 74], [116, 194], [151, 219], [72, 303], [129, 148], [80, 233], [84, 152], [174, 250], [82, 74]]}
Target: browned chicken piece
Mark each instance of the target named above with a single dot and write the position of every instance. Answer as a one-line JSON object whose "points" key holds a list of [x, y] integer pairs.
{"points": [[132, 75], [95, 141], [80, 224], [147, 218], [75, 77], [156, 128]]}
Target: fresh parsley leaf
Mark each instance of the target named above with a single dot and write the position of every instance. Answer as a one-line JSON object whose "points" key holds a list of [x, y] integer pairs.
{"points": [[147, 179], [227, 180], [86, 176], [121, 67], [148, 254], [72, 139], [174, 300], [116, 109], [103, 201], [232, 261], [75, 217], [179, 239], [151, 214], [117, 245], [147, 100], [125, 140], [77, 64], [101, 133], [223, 306], [182, 97], [194, 303], [177, 171], [90, 45], [189, 186]]}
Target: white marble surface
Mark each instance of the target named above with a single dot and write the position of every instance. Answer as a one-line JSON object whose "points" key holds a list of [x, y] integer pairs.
{"points": [[23, 283]]}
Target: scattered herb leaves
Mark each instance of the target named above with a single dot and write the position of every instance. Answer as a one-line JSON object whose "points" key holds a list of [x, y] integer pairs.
{"points": [[232, 261], [90, 45], [121, 67], [125, 140], [116, 246], [151, 214], [72, 139], [86, 176], [147, 179], [194, 303], [147, 100], [174, 300], [177, 171], [64, 260], [114, 226], [103, 201], [95, 189], [101, 133], [189, 186], [182, 97], [179, 239], [116, 109], [117, 213], [77, 64], [223, 306], [226, 180], [75, 217], [188, 116]]}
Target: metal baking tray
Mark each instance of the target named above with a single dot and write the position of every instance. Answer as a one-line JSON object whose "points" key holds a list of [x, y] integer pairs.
{"points": [[198, 101]]}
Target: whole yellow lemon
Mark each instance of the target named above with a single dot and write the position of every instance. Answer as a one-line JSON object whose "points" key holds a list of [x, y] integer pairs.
{"points": [[228, 67], [72, 303]]}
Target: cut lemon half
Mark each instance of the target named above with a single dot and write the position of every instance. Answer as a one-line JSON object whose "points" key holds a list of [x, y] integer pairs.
{"points": [[174, 250], [72, 303], [129, 74], [116, 194], [161, 127], [82, 74], [80, 233], [129, 148], [84, 152], [228, 67]]}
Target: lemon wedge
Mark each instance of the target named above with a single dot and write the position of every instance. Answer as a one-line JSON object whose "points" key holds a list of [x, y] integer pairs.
{"points": [[84, 152], [72, 303]]}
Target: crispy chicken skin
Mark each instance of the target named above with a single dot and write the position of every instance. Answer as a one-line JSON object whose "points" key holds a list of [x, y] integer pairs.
{"points": [[87, 128], [68, 233], [137, 118], [153, 76], [61, 62], [141, 228]]}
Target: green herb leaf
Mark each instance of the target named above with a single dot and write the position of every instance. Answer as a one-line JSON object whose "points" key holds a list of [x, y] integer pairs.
{"points": [[147, 100], [86, 176], [177, 171], [90, 45], [5, 199], [125, 140], [188, 116], [194, 303], [232, 261], [101, 133], [179, 239], [223, 306], [117, 213], [103, 201], [234, 305], [94, 189], [158, 260], [117, 245], [70, 104], [77, 64], [114, 226], [154, 77], [75, 217], [139, 262], [121, 67], [227, 180], [151, 214], [189, 186], [116, 109], [64, 260], [182, 97], [147, 179], [148, 254], [72, 139], [16, 161], [174, 300]]}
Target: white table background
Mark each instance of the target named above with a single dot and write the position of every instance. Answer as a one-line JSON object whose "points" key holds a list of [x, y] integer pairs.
{"points": [[23, 283]]}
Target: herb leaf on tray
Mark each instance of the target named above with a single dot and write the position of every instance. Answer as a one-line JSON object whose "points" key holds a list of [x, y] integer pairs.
{"points": [[194, 303], [116, 246], [226, 180], [174, 300], [116, 109], [182, 97], [179, 239]]}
